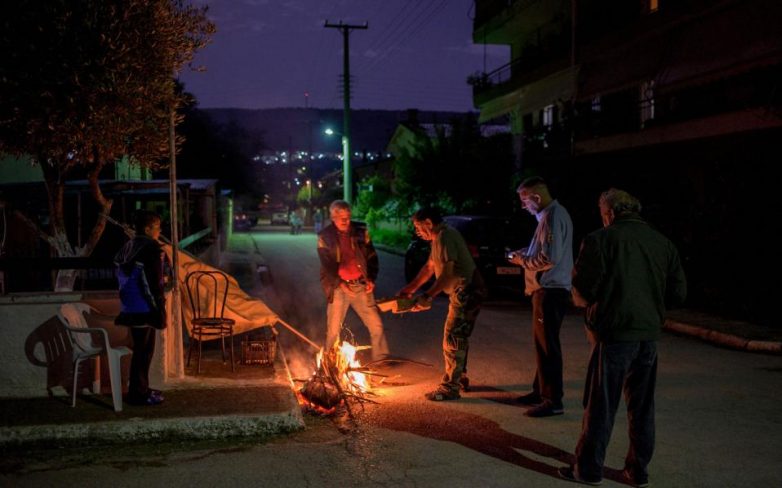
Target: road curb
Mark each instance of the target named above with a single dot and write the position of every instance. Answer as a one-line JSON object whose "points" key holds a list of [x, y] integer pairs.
{"points": [[193, 428], [723, 338]]}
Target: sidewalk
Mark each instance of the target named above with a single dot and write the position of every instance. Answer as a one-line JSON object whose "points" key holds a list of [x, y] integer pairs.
{"points": [[253, 402], [734, 334]]}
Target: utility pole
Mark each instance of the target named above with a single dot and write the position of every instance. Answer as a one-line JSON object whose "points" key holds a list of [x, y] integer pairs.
{"points": [[347, 180]]}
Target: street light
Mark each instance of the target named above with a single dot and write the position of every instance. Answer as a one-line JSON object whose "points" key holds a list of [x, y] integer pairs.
{"points": [[347, 185]]}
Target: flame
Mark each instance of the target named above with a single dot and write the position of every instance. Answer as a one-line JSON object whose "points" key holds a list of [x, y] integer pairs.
{"points": [[338, 363], [348, 355]]}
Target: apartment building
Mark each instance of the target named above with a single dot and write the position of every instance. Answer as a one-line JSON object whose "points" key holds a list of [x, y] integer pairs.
{"points": [[677, 101]]}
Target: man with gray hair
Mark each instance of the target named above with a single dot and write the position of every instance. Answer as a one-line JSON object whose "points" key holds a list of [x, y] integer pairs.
{"points": [[625, 275], [548, 264], [348, 270]]}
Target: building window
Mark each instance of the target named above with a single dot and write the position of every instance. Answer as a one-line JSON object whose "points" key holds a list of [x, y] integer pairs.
{"points": [[652, 6], [597, 104], [646, 96], [548, 116]]}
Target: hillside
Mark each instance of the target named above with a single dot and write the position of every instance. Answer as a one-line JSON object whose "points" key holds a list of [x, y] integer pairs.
{"points": [[297, 128]]}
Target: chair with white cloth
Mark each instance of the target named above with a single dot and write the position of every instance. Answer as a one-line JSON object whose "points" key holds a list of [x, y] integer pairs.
{"points": [[84, 347]]}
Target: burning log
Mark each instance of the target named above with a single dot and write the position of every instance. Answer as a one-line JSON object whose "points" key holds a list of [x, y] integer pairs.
{"points": [[320, 392], [338, 380]]}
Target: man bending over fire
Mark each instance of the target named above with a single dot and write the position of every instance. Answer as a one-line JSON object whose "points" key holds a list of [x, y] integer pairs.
{"points": [[348, 269], [457, 276]]}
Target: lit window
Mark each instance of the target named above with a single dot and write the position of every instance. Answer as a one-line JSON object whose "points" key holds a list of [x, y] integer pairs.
{"points": [[597, 104], [653, 5], [548, 116], [646, 96]]}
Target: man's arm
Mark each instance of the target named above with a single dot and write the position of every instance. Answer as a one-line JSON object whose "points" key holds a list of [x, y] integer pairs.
{"points": [[422, 277], [551, 242], [676, 286], [443, 281], [424, 300], [329, 275], [588, 272]]}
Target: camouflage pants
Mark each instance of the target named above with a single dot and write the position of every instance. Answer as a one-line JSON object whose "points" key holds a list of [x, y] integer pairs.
{"points": [[464, 305]]}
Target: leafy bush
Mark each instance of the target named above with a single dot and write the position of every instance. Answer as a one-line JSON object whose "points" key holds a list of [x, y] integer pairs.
{"points": [[398, 240]]}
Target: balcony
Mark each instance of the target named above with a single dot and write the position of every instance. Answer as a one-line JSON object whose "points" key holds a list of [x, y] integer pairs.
{"points": [[535, 64], [724, 106], [502, 21]]}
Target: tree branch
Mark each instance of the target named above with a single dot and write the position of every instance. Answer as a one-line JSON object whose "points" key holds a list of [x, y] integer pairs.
{"points": [[35, 228], [100, 198]]}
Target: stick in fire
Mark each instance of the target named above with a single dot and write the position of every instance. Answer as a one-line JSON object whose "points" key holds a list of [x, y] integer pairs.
{"points": [[338, 380]]}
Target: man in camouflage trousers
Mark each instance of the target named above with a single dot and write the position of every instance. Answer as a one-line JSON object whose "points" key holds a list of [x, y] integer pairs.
{"points": [[457, 276]]}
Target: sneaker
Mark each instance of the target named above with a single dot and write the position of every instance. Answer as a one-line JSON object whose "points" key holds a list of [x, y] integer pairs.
{"points": [[464, 383], [147, 401], [157, 394], [530, 399], [545, 409], [633, 480], [442, 394], [568, 473]]}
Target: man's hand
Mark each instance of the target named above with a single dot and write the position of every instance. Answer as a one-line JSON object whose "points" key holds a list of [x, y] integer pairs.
{"points": [[578, 299], [370, 286], [406, 292], [422, 302]]}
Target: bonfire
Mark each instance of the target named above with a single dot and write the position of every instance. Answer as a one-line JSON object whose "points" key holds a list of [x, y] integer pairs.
{"points": [[339, 379]]}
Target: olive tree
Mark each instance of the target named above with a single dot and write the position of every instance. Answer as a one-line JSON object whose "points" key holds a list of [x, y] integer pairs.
{"points": [[85, 83]]}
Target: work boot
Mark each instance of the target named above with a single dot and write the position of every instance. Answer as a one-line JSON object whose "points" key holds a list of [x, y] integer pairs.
{"points": [[442, 393]]}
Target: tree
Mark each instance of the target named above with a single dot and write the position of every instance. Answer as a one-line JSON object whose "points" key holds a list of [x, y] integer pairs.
{"points": [[83, 84]]}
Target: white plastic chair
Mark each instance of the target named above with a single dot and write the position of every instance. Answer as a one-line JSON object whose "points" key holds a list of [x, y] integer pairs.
{"points": [[80, 334]]}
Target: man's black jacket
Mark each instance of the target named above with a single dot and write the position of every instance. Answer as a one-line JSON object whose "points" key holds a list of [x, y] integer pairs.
{"points": [[628, 273], [329, 254]]}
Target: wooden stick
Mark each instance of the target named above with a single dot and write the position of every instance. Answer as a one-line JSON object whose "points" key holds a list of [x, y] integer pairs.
{"points": [[301, 336]]}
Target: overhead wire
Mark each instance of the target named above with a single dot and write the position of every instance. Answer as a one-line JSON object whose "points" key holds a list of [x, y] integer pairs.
{"points": [[409, 31], [321, 56]]}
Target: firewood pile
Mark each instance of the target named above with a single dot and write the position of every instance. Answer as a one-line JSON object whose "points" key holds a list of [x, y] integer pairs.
{"points": [[338, 381]]}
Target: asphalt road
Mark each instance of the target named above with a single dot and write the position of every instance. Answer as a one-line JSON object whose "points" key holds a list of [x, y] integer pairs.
{"points": [[719, 421]]}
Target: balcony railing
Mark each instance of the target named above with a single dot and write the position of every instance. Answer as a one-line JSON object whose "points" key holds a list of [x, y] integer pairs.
{"points": [[539, 54], [486, 10]]}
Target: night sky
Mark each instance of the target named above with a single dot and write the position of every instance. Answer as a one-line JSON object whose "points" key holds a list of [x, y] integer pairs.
{"points": [[268, 53]]}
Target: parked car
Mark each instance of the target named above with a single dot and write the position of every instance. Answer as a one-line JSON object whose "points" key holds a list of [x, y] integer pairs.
{"points": [[279, 218], [489, 239], [243, 221]]}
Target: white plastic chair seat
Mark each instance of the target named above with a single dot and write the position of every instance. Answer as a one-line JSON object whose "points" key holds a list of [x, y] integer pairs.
{"points": [[80, 334]]}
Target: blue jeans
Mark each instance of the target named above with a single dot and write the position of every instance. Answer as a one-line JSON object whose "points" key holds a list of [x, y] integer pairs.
{"points": [[363, 304], [623, 366]]}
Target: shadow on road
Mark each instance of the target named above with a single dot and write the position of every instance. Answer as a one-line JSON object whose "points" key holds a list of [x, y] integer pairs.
{"points": [[476, 433]]}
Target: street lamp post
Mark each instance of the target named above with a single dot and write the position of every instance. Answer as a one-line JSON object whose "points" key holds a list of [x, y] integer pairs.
{"points": [[347, 178]]}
